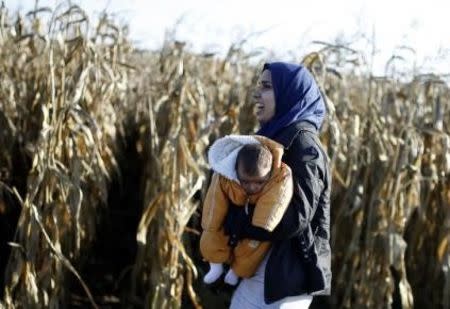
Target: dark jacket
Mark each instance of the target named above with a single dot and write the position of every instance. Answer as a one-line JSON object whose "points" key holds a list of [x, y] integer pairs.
{"points": [[300, 261]]}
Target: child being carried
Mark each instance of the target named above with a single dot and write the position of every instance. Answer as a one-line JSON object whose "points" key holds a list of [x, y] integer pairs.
{"points": [[247, 171]]}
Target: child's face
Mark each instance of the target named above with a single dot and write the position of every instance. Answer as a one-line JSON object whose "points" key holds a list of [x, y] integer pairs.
{"points": [[253, 184]]}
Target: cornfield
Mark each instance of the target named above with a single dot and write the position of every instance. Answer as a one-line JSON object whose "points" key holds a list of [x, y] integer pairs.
{"points": [[103, 169]]}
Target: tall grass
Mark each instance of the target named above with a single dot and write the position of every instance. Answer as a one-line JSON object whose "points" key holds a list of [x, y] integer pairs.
{"points": [[70, 94]]}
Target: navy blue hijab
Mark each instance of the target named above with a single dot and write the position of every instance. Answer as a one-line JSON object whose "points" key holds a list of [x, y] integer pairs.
{"points": [[297, 98]]}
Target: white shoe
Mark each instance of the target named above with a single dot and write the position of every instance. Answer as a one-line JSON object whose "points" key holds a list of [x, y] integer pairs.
{"points": [[216, 269], [231, 278]]}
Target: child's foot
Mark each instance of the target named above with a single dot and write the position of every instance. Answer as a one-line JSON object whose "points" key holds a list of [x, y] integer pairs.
{"points": [[231, 278], [216, 269]]}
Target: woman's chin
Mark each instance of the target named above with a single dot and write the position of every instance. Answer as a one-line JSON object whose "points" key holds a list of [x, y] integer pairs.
{"points": [[261, 121], [260, 117]]}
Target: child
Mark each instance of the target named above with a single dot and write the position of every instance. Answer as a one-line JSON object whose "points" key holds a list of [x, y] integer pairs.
{"points": [[247, 170]]}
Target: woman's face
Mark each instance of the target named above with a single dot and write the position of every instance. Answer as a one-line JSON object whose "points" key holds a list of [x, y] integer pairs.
{"points": [[264, 98]]}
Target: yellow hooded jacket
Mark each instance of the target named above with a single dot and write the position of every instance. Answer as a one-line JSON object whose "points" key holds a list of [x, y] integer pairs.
{"points": [[270, 203]]}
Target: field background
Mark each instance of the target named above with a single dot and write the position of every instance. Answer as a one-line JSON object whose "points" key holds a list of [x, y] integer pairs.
{"points": [[102, 168]]}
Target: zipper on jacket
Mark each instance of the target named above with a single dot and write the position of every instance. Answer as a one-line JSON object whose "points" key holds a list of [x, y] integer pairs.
{"points": [[246, 205]]}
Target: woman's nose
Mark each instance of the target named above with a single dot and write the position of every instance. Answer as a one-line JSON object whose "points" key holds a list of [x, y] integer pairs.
{"points": [[256, 94]]}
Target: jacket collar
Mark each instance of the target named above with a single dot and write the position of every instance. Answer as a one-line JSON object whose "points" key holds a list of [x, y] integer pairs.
{"points": [[288, 134]]}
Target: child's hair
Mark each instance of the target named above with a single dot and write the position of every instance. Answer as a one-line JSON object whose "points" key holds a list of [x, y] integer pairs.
{"points": [[253, 159]]}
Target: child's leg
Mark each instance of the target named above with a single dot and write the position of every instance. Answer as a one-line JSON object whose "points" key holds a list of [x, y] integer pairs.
{"points": [[215, 270], [248, 254], [214, 248]]}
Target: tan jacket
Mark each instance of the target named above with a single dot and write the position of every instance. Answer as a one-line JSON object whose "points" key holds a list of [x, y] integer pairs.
{"points": [[270, 204]]}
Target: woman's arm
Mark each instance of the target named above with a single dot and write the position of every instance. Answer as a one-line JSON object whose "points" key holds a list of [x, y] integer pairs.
{"points": [[299, 212], [308, 172], [303, 206]]}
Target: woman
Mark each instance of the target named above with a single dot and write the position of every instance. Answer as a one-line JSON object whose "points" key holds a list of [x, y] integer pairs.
{"points": [[290, 110]]}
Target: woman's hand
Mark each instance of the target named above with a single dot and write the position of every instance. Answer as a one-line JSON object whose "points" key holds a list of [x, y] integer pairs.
{"points": [[234, 224], [238, 225]]}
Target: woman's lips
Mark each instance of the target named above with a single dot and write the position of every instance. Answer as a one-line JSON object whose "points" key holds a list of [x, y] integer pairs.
{"points": [[259, 108]]}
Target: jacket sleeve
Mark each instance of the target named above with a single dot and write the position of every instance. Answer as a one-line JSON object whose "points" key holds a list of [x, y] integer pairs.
{"points": [[215, 206], [273, 203], [307, 190]]}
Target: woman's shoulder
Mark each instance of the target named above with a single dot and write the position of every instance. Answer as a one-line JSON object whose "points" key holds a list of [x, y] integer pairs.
{"points": [[300, 138], [305, 152], [305, 147]]}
